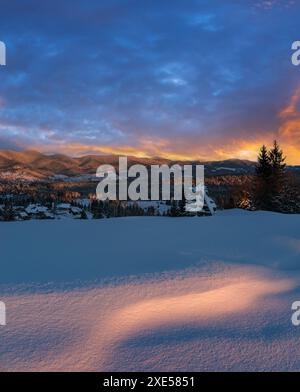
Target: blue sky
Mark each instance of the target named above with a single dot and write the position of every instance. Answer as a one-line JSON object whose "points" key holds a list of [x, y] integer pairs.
{"points": [[203, 79]]}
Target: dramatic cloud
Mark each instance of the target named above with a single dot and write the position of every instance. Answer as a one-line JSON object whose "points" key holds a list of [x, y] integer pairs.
{"points": [[202, 79]]}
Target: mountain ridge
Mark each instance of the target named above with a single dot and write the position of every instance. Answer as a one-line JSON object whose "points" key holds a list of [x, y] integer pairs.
{"points": [[31, 164]]}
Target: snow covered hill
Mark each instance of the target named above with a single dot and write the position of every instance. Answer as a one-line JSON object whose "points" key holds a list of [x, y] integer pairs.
{"points": [[210, 293], [32, 165]]}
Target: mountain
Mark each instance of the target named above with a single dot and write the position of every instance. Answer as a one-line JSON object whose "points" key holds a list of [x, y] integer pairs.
{"points": [[33, 165], [229, 166]]}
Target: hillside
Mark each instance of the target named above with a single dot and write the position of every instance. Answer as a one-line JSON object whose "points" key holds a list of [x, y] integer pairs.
{"points": [[34, 165]]}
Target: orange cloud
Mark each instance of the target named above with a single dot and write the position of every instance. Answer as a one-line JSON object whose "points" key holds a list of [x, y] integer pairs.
{"points": [[290, 128], [240, 149], [291, 108], [199, 148], [177, 150], [289, 131]]}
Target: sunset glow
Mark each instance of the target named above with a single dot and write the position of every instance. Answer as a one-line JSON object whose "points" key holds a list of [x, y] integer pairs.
{"points": [[149, 191], [125, 83]]}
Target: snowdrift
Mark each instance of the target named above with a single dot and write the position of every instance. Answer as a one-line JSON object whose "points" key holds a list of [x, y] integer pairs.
{"points": [[155, 294]]}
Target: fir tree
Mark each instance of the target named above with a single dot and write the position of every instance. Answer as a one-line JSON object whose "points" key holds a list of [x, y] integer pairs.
{"points": [[278, 176], [270, 184], [8, 213], [277, 160], [182, 206], [83, 215], [263, 168], [174, 210], [263, 180]]}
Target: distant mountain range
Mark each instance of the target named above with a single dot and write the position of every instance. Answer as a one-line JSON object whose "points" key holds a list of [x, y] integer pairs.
{"points": [[32, 165]]}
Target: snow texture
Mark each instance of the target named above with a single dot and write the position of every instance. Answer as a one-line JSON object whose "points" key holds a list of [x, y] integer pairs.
{"points": [[151, 293]]}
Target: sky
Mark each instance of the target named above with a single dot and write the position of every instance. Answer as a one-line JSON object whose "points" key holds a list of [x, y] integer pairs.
{"points": [[181, 79]]}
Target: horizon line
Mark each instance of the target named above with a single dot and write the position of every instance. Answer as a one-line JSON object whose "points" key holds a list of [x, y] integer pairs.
{"points": [[103, 154]]}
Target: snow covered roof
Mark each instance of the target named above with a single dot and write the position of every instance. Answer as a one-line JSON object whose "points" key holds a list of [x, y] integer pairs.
{"points": [[76, 210], [83, 202], [35, 209], [23, 214], [64, 206]]}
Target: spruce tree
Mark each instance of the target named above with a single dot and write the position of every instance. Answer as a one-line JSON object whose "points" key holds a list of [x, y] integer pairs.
{"points": [[271, 179], [263, 168], [174, 210], [263, 191], [8, 213], [182, 206], [278, 177], [83, 215], [277, 159]]}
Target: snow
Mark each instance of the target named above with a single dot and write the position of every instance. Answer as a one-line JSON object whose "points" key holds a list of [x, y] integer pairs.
{"points": [[58, 177], [83, 202], [151, 293], [76, 210], [18, 175], [225, 168], [35, 209], [63, 206], [159, 206], [23, 215]]}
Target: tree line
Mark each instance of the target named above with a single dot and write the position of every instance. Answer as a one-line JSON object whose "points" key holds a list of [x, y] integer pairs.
{"points": [[275, 189]]}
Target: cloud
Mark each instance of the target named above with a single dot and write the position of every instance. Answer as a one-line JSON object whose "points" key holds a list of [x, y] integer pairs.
{"points": [[289, 130], [198, 79]]}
